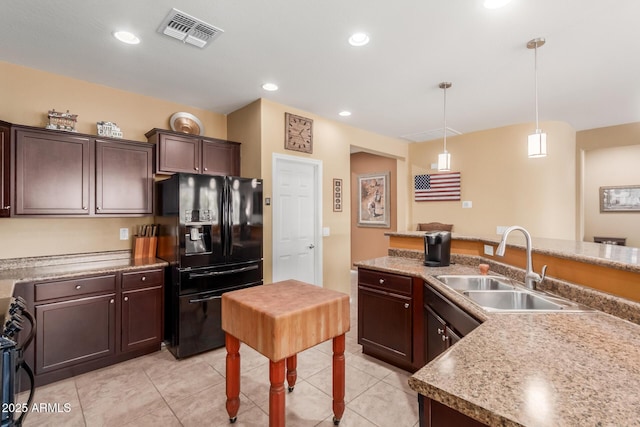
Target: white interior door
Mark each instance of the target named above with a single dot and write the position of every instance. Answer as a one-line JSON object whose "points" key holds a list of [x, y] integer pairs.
{"points": [[297, 212]]}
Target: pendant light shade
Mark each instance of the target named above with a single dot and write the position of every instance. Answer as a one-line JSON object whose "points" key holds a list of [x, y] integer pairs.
{"points": [[537, 146], [444, 158]]}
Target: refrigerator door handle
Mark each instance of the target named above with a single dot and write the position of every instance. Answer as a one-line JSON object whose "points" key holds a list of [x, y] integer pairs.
{"points": [[224, 272], [194, 301], [225, 218], [230, 224]]}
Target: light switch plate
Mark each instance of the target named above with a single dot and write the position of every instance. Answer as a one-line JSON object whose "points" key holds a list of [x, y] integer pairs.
{"points": [[326, 231], [467, 204], [124, 234]]}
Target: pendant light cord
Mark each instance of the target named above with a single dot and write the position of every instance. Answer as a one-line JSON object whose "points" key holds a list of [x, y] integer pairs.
{"points": [[445, 118], [535, 68]]}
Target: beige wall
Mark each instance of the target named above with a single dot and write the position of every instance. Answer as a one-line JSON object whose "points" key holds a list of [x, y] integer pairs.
{"points": [[596, 150], [331, 145], [611, 167], [503, 184], [370, 242], [27, 95]]}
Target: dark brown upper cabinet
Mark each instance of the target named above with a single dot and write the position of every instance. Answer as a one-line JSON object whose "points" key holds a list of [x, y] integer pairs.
{"points": [[68, 174], [5, 168], [124, 177], [179, 152], [53, 173]]}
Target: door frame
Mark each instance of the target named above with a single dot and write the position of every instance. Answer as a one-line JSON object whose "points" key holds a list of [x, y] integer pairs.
{"points": [[277, 160]]}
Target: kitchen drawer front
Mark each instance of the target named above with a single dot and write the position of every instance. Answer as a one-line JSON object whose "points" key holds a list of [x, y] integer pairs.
{"points": [[385, 281], [75, 287], [142, 279], [459, 320]]}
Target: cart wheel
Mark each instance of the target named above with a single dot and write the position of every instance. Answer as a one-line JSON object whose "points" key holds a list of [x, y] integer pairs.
{"points": [[290, 389], [233, 420], [336, 421]]}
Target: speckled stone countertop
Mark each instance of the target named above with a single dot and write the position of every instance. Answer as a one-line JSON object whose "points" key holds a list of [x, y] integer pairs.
{"points": [[531, 369], [64, 266], [621, 257]]}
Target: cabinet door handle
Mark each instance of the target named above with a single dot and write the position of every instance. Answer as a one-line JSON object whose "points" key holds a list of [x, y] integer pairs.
{"points": [[195, 168], [444, 338], [111, 301], [406, 305], [98, 208], [440, 331], [206, 169], [126, 298], [7, 207], [78, 287], [381, 281], [84, 208]]}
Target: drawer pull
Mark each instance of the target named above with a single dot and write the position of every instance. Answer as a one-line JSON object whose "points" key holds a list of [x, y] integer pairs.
{"points": [[78, 287], [144, 278], [444, 338], [406, 305], [381, 281], [126, 298]]}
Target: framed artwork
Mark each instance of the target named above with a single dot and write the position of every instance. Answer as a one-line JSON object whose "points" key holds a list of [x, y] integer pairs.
{"points": [[624, 198], [337, 195], [373, 200]]}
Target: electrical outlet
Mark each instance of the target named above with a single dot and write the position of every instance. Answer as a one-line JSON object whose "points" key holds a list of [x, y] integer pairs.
{"points": [[467, 204], [124, 234], [501, 229], [488, 250], [326, 231]]}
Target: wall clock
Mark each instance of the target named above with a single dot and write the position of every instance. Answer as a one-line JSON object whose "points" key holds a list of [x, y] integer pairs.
{"points": [[298, 133]]}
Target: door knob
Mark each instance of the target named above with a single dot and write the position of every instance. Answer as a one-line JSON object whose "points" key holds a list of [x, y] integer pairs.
{"points": [[311, 246]]}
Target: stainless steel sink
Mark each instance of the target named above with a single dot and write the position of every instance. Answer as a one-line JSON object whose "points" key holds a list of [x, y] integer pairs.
{"points": [[473, 282], [512, 300]]}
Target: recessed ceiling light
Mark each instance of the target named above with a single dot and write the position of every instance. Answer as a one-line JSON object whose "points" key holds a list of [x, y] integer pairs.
{"points": [[344, 113], [270, 87], [126, 37], [358, 39], [495, 4]]}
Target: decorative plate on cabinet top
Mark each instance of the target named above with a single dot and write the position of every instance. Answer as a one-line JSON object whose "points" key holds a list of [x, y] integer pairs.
{"points": [[186, 123]]}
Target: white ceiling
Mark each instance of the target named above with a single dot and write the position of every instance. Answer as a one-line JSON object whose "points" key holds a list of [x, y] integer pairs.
{"points": [[588, 70]]}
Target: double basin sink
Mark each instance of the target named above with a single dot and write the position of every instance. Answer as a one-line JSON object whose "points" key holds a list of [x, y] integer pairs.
{"points": [[496, 293]]}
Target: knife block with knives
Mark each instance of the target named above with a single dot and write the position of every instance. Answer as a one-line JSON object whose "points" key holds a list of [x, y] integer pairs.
{"points": [[146, 241]]}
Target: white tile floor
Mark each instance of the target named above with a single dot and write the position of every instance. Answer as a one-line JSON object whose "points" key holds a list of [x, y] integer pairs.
{"points": [[158, 390]]}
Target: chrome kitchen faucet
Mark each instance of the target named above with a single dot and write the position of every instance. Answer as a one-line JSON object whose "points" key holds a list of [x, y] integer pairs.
{"points": [[530, 277]]}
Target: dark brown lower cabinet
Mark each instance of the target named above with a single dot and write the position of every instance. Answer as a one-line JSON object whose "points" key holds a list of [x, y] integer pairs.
{"points": [[75, 331], [141, 318], [435, 414], [390, 324], [90, 322]]}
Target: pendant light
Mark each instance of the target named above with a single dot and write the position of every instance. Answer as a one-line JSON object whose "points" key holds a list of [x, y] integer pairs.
{"points": [[444, 159], [538, 139]]}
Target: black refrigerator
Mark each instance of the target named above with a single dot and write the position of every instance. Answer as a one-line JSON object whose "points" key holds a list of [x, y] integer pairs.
{"points": [[211, 235]]}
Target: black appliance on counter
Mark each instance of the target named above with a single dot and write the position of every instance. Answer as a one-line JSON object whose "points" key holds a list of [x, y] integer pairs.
{"points": [[211, 234], [12, 361], [437, 248]]}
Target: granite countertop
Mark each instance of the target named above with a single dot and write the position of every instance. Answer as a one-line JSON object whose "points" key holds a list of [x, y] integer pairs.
{"points": [[16, 270], [531, 369], [67, 266], [620, 257]]}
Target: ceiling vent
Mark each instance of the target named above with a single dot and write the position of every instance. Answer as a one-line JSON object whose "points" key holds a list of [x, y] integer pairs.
{"points": [[430, 135], [188, 29]]}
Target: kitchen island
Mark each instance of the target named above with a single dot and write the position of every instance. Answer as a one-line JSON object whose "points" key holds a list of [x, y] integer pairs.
{"points": [[533, 369]]}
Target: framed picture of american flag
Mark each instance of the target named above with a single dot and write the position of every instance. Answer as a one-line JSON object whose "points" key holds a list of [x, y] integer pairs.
{"points": [[437, 187], [373, 200]]}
